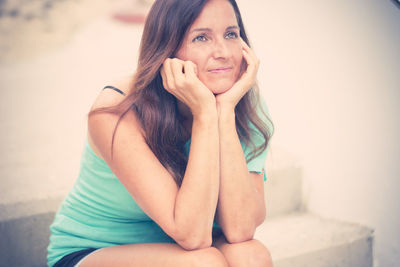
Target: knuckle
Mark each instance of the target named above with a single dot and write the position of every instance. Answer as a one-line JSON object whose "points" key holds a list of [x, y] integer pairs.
{"points": [[189, 66], [167, 61], [176, 61]]}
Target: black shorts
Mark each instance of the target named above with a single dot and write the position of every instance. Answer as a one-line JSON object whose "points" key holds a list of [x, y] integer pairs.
{"points": [[72, 259]]}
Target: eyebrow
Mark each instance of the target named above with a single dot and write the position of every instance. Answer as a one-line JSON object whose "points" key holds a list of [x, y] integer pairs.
{"points": [[209, 30]]}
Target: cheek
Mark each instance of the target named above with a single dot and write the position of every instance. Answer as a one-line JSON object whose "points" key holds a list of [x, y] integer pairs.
{"points": [[197, 57], [187, 53]]}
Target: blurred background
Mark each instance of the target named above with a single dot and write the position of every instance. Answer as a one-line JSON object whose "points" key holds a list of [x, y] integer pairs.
{"points": [[329, 74]]}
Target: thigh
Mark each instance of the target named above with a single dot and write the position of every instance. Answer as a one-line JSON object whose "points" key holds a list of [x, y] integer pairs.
{"points": [[250, 253], [153, 254]]}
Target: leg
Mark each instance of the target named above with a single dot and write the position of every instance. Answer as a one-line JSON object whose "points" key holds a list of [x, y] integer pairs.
{"points": [[251, 253], [154, 254]]}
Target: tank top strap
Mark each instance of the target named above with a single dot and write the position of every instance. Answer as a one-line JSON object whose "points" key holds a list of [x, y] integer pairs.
{"points": [[114, 88]]}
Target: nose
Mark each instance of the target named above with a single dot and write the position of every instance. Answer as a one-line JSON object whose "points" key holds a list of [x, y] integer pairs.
{"points": [[221, 49]]}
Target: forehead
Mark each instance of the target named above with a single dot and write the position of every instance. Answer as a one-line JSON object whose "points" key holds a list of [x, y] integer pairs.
{"points": [[216, 13]]}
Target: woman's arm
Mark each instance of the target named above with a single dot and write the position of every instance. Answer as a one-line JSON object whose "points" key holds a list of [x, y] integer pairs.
{"points": [[241, 206], [196, 208], [186, 213], [197, 197]]}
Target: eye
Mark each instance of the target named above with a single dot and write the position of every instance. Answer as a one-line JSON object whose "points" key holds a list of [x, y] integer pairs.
{"points": [[231, 35], [200, 38]]}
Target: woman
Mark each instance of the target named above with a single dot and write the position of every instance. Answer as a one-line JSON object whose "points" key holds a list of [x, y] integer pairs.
{"points": [[187, 140]]}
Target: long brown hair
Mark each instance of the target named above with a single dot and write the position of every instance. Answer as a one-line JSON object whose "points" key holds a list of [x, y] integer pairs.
{"points": [[156, 109]]}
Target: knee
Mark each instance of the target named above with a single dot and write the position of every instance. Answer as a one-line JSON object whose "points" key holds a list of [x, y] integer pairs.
{"points": [[258, 255], [261, 256], [251, 253], [208, 257]]}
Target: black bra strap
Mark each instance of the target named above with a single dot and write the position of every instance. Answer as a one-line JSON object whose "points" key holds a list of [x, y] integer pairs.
{"points": [[113, 88]]}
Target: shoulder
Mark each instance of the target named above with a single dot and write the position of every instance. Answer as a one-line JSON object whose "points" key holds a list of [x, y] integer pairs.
{"points": [[109, 97], [102, 125]]}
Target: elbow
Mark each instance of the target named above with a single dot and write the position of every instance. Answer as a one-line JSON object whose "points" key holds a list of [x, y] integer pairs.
{"points": [[192, 235], [261, 218], [244, 231], [240, 235], [190, 239], [195, 244]]}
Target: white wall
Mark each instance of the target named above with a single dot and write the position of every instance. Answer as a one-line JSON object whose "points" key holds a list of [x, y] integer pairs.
{"points": [[330, 74]]}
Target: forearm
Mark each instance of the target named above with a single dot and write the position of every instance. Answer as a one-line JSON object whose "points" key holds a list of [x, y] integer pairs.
{"points": [[198, 195], [240, 206]]}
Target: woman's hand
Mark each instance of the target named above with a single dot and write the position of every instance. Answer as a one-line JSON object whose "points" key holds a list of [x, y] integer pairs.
{"points": [[230, 98], [180, 79]]}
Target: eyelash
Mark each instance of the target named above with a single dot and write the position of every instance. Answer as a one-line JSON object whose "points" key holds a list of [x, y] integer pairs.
{"points": [[197, 38], [235, 35], [203, 37]]}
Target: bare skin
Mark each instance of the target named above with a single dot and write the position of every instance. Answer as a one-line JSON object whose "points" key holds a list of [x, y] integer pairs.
{"points": [[249, 253], [156, 254], [216, 180]]}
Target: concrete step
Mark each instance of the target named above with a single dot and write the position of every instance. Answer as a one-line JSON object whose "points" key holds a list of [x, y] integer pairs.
{"points": [[27, 209], [297, 239], [24, 240], [304, 240], [283, 191], [283, 188]]}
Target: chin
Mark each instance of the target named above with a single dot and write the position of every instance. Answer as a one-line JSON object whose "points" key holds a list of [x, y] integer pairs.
{"points": [[220, 88], [219, 91]]}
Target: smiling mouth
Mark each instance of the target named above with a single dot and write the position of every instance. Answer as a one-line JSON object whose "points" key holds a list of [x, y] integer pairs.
{"points": [[220, 70]]}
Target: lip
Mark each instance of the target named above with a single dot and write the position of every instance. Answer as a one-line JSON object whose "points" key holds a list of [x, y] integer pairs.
{"points": [[220, 70]]}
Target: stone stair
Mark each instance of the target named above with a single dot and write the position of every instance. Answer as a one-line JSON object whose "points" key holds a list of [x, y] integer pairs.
{"points": [[299, 238], [294, 236], [303, 239]]}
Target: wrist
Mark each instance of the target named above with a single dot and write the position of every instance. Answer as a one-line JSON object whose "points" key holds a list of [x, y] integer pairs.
{"points": [[226, 119], [207, 114], [225, 111]]}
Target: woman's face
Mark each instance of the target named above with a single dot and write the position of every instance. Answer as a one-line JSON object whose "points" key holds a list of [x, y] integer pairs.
{"points": [[213, 44]]}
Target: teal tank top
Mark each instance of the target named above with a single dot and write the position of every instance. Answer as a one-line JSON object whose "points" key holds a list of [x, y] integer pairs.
{"points": [[99, 212]]}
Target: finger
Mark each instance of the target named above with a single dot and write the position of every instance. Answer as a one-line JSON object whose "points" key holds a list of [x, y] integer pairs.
{"points": [[248, 50], [177, 70], [170, 82], [251, 56], [194, 66], [190, 69], [250, 73], [195, 69], [250, 62], [245, 46], [163, 78]]}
